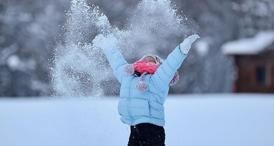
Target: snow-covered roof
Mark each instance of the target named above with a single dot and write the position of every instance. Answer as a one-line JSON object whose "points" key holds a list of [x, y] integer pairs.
{"points": [[249, 46]]}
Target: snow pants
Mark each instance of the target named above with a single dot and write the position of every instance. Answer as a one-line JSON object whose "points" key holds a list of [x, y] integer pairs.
{"points": [[146, 134]]}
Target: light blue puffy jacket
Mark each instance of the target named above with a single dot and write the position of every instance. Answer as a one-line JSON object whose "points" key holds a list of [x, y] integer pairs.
{"points": [[137, 106]]}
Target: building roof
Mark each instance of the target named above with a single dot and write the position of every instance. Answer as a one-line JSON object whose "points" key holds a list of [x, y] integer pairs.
{"points": [[249, 46]]}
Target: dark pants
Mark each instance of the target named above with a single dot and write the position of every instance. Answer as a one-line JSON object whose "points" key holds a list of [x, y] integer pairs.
{"points": [[146, 134]]}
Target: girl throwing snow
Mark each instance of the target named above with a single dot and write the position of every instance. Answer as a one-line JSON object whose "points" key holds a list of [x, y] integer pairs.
{"points": [[144, 88]]}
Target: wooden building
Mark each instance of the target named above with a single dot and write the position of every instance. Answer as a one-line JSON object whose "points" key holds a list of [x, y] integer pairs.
{"points": [[254, 63]]}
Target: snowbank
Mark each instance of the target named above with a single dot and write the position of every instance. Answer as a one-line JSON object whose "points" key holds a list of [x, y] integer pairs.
{"points": [[196, 120], [249, 46]]}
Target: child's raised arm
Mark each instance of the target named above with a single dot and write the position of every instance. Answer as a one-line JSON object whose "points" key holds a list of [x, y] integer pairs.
{"points": [[109, 45], [168, 68]]}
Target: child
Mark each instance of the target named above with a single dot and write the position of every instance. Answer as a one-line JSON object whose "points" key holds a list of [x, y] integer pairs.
{"points": [[144, 88]]}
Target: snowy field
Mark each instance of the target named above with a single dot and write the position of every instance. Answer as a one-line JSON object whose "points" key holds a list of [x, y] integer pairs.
{"points": [[195, 120]]}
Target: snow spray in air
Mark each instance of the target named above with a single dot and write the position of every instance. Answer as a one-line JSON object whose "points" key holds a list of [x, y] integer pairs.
{"points": [[80, 68]]}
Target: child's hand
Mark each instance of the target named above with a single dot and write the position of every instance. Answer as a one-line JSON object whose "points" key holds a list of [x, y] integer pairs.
{"points": [[105, 42], [185, 46]]}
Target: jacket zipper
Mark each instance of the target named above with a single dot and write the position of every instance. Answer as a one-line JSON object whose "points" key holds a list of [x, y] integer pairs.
{"points": [[129, 98]]}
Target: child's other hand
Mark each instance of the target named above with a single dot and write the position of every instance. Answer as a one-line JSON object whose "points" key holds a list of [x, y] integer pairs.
{"points": [[105, 42], [185, 46]]}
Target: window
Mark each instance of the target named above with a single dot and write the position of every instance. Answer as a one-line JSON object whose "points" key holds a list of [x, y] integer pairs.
{"points": [[261, 75]]}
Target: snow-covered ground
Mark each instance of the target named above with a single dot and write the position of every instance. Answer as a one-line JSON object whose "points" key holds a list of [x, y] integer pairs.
{"points": [[195, 120]]}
